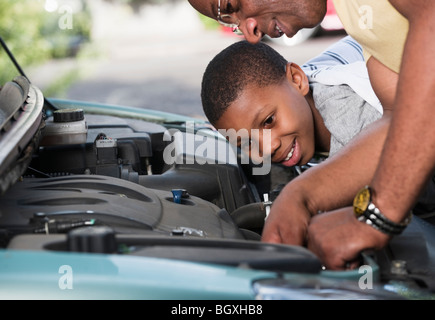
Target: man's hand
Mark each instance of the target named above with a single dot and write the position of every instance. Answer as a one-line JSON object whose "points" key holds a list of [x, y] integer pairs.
{"points": [[288, 219], [338, 238]]}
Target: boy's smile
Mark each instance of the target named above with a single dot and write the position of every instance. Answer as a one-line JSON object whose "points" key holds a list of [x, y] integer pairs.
{"points": [[293, 156]]}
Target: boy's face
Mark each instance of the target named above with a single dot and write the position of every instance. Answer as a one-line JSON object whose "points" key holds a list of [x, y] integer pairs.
{"points": [[284, 110]]}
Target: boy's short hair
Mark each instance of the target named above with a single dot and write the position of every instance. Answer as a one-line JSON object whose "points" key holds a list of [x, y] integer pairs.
{"points": [[235, 67]]}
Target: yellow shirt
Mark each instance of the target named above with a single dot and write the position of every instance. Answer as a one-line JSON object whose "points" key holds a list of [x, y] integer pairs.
{"points": [[377, 26]]}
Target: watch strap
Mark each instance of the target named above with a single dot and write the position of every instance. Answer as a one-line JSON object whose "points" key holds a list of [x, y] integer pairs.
{"points": [[373, 217]]}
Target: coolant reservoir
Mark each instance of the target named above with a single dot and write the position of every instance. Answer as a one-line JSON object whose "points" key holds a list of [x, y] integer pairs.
{"points": [[67, 126]]}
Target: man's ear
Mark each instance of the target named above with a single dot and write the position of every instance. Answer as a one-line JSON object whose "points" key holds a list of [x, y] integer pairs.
{"points": [[296, 76]]}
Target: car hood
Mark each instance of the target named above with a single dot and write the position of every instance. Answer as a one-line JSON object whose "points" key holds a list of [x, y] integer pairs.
{"points": [[21, 121]]}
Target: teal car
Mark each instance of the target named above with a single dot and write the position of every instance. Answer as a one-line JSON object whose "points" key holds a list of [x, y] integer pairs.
{"points": [[115, 202]]}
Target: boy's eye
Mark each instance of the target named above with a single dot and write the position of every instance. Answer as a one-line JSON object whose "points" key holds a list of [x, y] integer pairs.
{"points": [[269, 121]]}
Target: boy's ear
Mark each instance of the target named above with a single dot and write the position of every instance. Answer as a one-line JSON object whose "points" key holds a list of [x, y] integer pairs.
{"points": [[296, 76]]}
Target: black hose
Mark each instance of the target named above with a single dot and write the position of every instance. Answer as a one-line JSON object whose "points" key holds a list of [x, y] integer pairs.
{"points": [[250, 216]]}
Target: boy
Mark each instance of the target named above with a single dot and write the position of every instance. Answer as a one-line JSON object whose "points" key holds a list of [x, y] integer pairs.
{"points": [[249, 86]]}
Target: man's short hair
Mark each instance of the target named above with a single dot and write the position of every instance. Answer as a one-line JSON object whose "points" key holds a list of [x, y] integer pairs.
{"points": [[235, 67]]}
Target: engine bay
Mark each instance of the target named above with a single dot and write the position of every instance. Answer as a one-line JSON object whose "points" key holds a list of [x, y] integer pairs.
{"points": [[95, 183], [101, 184]]}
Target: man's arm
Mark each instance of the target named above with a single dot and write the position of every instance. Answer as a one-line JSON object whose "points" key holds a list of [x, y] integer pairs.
{"points": [[407, 160]]}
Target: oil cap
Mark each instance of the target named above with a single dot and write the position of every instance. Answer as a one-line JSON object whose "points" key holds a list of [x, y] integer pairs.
{"points": [[178, 194], [68, 115]]}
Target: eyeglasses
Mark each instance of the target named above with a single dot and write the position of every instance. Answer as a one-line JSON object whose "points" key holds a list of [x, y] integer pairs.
{"points": [[226, 19]]}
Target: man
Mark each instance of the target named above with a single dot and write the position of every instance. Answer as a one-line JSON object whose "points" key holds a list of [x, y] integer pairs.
{"points": [[403, 80]]}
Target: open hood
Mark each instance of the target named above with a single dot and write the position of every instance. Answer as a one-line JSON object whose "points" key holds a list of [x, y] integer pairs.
{"points": [[21, 120]]}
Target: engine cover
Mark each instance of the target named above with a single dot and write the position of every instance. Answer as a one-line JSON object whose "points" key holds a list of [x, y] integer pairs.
{"points": [[101, 200], [100, 214]]}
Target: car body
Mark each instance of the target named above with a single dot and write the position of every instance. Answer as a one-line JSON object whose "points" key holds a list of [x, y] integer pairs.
{"points": [[114, 202]]}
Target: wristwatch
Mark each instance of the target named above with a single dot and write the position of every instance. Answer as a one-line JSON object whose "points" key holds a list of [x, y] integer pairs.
{"points": [[366, 211]]}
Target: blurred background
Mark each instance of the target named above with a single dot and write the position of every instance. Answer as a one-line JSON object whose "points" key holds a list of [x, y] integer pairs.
{"points": [[142, 53]]}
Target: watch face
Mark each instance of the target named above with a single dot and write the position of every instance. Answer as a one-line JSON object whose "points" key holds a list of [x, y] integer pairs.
{"points": [[361, 201]]}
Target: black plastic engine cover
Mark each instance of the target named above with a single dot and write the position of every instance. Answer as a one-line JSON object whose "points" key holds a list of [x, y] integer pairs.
{"points": [[100, 214], [100, 200]]}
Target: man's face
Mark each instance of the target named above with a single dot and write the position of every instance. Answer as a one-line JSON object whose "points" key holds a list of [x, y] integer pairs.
{"points": [[256, 18]]}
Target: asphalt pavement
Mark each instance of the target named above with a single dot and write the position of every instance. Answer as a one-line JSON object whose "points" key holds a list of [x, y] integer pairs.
{"points": [[155, 58]]}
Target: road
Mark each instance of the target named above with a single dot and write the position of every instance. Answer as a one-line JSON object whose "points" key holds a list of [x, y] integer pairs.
{"points": [[163, 70]]}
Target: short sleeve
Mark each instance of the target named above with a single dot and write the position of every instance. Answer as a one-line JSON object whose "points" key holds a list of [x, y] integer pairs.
{"points": [[344, 112]]}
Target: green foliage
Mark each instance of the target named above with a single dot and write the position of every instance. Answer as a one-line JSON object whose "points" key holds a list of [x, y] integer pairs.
{"points": [[63, 30], [35, 35], [20, 25], [209, 24]]}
